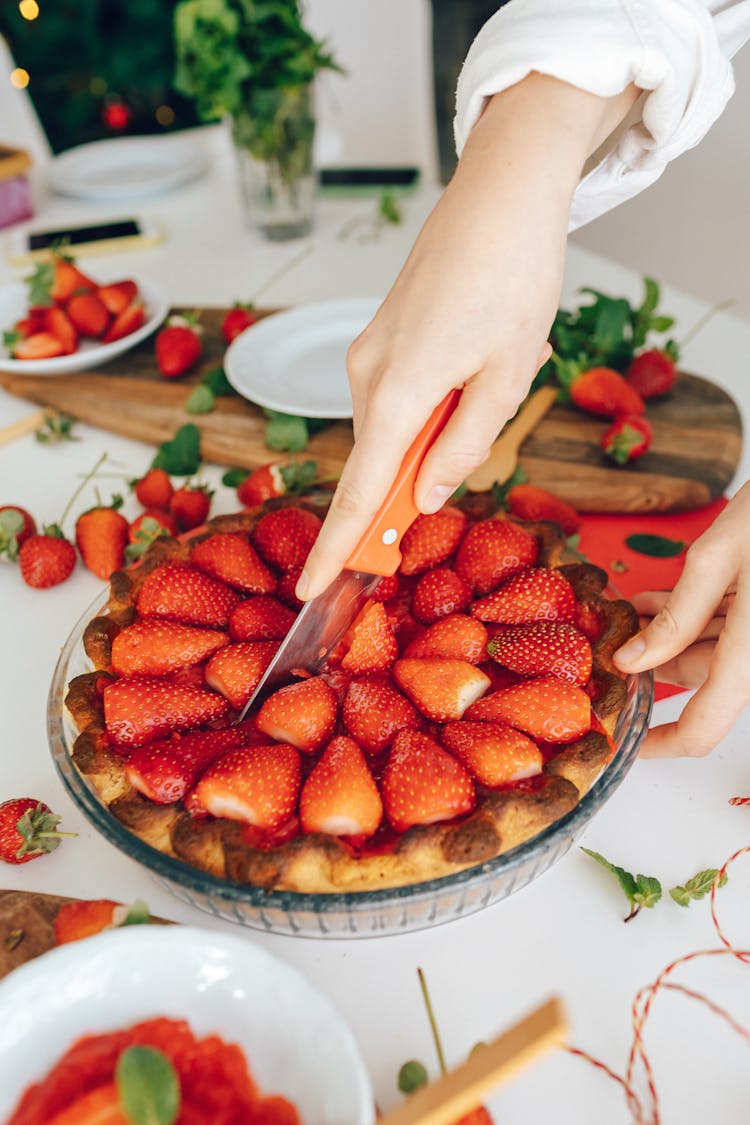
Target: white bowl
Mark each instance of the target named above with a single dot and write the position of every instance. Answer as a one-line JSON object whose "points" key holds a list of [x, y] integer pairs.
{"points": [[295, 1042], [14, 304]]}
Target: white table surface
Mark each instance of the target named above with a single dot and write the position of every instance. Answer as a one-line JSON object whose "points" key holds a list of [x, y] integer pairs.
{"points": [[563, 934]]}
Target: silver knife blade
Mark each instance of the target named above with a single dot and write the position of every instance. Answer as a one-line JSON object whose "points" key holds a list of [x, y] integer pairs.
{"points": [[320, 625]]}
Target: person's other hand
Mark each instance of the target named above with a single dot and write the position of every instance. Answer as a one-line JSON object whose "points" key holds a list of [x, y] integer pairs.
{"points": [[471, 308], [697, 634]]}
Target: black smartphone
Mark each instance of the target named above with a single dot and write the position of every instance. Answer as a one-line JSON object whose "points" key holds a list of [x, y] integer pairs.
{"points": [[93, 238], [400, 176]]}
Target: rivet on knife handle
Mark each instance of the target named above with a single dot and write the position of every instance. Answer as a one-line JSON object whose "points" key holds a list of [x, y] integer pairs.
{"points": [[378, 551]]}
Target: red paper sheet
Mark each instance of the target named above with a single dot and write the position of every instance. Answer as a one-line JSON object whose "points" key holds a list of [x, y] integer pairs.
{"points": [[603, 542]]}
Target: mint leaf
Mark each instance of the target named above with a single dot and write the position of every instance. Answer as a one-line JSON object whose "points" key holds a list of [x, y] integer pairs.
{"points": [[286, 431], [201, 400], [216, 381], [181, 456], [698, 887], [389, 209], [648, 890], [411, 1076], [656, 546], [147, 1086], [233, 478], [624, 878]]}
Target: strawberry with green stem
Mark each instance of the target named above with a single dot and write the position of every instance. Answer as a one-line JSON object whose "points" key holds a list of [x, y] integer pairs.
{"points": [[627, 439], [16, 526], [101, 537], [653, 372], [28, 829], [179, 345]]}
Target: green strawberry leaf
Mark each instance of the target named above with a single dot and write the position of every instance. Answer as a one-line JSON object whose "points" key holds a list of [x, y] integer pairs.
{"points": [[180, 457], [286, 432], [40, 283], [389, 208], [698, 887], [656, 546], [138, 914], [298, 476], [233, 478], [56, 428], [147, 1086], [201, 400], [216, 381], [411, 1076]]}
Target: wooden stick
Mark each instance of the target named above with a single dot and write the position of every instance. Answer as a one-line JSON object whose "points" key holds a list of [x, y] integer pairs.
{"points": [[24, 426], [504, 452], [462, 1090]]}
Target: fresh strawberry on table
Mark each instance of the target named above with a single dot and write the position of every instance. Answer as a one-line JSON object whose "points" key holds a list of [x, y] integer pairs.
{"points": [[101, 537], [166, 771], [442, 689], [259, 785], [431, 540], [236, 671], [264, 483], [546, 708], [178, 346], [144, 709], [423, 784], [627, 439], [374, 713], [529, 502], [28, 829], [183, 593], [604, 391], [340, 796], [536, 594], [231, 558], [154, 489], [47, 559], [653, 372], [237, 320], [189, 506], [16, 526], [145, 528], [155, 647], [303, 714]]}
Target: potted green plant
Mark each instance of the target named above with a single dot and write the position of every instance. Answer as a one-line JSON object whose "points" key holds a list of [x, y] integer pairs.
{"points": [[253, 62]]}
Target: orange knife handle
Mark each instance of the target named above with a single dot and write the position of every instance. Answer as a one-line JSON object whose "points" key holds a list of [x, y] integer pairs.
{"points": [[378, 551]]}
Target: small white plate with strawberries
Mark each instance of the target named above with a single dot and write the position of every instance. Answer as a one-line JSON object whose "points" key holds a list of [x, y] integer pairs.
{"points": [[62, 320]]}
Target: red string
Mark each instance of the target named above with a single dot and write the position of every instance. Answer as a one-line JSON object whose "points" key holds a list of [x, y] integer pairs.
{"points": [[644, 1000]]}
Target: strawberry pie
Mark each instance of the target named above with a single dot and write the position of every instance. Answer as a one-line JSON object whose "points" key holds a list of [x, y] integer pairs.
{"points": [[470, 705]]}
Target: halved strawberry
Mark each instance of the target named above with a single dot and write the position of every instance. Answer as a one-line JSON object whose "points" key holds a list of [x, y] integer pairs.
{"points": [[60, 325], [40, 345], [231, 558], [262, 618], [153, 647], [303, 714], [455, 637], [236, 670], [544, 648], [284, 538], [546, 708], [374, 713], [129, 320], [441, 689], [117, 295], [142, 709], [100, 1106], [165, 771], [493, 551], [438, 593], [536, 594], [494, 753], [67, 278], [255, 784], [340, 796], [423, 784], [88, 314], [431, 540], [81, 919], [372, 642], [182, 593]]}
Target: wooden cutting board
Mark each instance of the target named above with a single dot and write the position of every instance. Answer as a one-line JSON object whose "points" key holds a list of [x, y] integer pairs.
{"points": [[695, 452]]}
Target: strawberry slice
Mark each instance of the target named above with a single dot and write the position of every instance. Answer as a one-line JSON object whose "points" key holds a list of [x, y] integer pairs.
{"points": [[129, 320], [231, 558], [536, 594], [283, 538], [155, 648], [182, 593], [60, 325], [440, 689], [40, 345], [438, 593], [372, 643], [544, 648], [256, 784], [431, 540], [546, 708], [141, 710], [493, 551], [374, 713], [117, 295], [236, 671], [454, 637], [87, 313], [303, 714], [100, 1106], [76, 920], [340, 796], [493, 753], [262, 618], [166, 770], [423, 784]]}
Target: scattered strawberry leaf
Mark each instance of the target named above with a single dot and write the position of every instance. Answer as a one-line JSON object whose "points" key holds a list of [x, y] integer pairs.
{"points": [[216, 381], [298, 475], [286, 431], [11, 523], [56, 428], [233, 478], [656, 546], [138, 914], [147, 1086], [201, 400], [697, 887], [389, 208], [640, 890], [411, 1076], [181, 456]]}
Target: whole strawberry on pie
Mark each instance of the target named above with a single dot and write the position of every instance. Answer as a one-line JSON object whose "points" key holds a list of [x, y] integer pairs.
{"points": [[471, 703]]}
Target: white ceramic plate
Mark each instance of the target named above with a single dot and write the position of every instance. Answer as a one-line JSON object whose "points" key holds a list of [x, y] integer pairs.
{"points": [[123, 168], [13, 305], [295, 361], [295, 1042]]}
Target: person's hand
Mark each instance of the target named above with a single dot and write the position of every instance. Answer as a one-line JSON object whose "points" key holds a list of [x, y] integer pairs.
{"points": [[471, 308], [696, 636]]}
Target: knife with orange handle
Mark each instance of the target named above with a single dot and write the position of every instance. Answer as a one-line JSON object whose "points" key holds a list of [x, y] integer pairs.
{"points": [[322, 622]]}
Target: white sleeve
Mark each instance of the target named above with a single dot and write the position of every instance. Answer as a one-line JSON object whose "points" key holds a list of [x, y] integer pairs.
{"points": [[676, 50]]}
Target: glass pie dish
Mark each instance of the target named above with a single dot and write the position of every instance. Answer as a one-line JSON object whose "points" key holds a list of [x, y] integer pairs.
{"points": [[349, 914]]}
